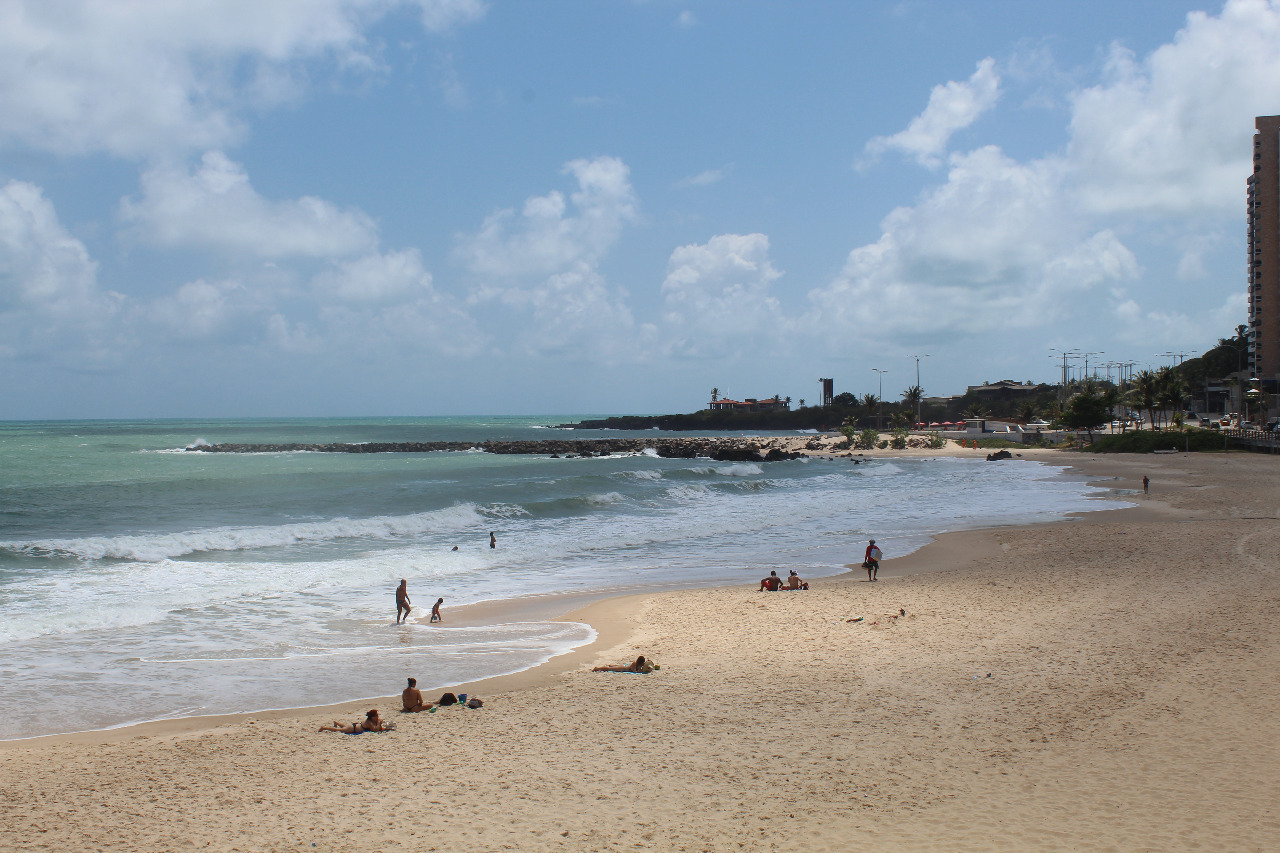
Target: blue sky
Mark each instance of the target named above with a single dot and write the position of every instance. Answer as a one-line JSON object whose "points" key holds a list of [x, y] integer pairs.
{"points": [[375, 207]]}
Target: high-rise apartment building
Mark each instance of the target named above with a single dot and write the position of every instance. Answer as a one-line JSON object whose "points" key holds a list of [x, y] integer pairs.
{"points": [[1264, 253]]}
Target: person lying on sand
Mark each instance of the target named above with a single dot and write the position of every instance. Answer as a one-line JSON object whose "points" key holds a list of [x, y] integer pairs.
{"points": [[371, 723], [638, 665]]}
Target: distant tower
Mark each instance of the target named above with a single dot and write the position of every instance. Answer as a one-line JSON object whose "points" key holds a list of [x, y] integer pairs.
{"points": [[827, 392], [1264, 252]]}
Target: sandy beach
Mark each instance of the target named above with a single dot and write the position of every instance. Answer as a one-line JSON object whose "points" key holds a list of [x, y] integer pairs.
{"points": [[1107, 683]]}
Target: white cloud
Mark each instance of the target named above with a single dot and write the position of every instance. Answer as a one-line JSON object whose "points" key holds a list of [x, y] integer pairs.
{"points": [[544, 262], [704, 179], [952, 106], [686, 20], [993, 248], [442, 15], [202, 311], [50, 302], [1170, 135], [41, 265], [376, 278], [546, 236], [152, 77], [216, 208], [716, 298]]}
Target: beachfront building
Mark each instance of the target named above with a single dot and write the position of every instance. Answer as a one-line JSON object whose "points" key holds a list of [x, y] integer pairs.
{"points": [[750, 404], [1264, 253], [1005, 389]]}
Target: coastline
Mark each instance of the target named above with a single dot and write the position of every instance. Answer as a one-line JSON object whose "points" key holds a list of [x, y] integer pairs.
{"points": [[1070, 685], [611, 613]]}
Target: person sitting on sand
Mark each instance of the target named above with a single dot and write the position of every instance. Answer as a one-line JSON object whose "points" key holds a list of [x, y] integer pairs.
{"points": [[794, 581], [411, 697], [772, 583], [638, 665], [371, 723]]}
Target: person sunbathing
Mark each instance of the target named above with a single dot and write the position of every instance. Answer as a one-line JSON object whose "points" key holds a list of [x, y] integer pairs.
{"points": [[638, 665], [371, 723]]}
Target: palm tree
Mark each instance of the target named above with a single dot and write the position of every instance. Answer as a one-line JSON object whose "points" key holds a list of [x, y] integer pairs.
{"points": [[912, 397], [1145, 390], [975, 410], [802, 402], [1170, 389], [1110, 395], [1027, 412], [715, 394], [788, 402]]}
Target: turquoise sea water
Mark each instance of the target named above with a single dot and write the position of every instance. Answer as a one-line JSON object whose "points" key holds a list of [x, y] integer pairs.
{"points": [[150, 582]]}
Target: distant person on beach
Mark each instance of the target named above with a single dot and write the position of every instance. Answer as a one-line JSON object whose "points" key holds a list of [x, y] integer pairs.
{"points": [[455, 547], [1146, 484], [435, 610], [771, 583], [871, 560], [794, 581], [411, 697], [493, 540], [371, 723], [402, 601], [638, 665]]}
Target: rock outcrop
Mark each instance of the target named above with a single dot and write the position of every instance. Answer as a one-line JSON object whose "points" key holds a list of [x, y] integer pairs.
{"points": [[720, 449]]}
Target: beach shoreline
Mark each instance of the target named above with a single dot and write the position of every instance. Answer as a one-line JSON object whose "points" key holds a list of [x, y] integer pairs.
{"points": [[609, 612], [1069, 685]]}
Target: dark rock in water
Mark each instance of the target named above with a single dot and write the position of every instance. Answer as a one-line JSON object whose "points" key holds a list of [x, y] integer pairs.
{"points": [[720, 449], [998, 455]]}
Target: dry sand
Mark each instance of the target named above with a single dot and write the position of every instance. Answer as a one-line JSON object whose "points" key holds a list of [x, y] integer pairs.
{"points": [[1102, 684]]}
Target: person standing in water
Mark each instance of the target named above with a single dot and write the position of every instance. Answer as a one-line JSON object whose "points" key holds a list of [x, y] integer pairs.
{"points": [[1146, 484], [493, 540], [435, 611], [402, 601]]}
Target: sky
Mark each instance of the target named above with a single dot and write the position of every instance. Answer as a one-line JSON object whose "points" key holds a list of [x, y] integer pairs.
{"points": [[230, 208]]}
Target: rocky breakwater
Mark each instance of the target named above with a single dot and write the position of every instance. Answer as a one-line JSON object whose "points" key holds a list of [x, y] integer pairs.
{"points": [[720, 449]]}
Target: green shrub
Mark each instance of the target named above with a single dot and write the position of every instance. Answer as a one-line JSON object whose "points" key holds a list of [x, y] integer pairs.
{"points": [[997, 443], [1145, 441], [936, 441], [867, 439], [882, 444], [899, 439]]}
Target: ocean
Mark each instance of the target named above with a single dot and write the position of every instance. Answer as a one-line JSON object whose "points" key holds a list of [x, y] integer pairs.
{"points": [[139, 581]]}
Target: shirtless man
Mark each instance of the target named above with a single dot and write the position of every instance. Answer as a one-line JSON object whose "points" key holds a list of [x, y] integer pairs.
{"points": [[772, 583], [412, 698], [435, 610], [793, 580], [402, 600]]}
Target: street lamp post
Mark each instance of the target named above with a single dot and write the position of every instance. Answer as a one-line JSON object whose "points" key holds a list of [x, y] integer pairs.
{"points": [[880, 399], [920, 399]]}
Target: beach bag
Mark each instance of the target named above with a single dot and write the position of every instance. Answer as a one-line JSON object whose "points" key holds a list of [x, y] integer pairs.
{"points": [[647, 667], [475, 703]]}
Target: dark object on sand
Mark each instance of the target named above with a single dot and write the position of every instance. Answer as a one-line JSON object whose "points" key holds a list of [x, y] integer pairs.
{"points": [[998, 455]]}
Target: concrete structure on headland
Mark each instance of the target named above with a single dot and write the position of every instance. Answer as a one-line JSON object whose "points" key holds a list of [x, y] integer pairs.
{"points": [[1264, 253], [751, 404]]}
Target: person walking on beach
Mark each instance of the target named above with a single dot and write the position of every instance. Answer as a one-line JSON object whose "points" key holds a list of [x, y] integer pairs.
{"points": [[493, 540], [402, 601], [871, 561], [435, 610], [1146, 484]]}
